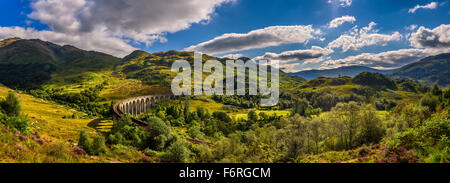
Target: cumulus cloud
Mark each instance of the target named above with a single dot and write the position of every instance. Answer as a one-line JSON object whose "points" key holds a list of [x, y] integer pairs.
{"points": [[366, 36], [260, 38], [233, 56], [386, 60], [97, 41], [439, 37], [341, 20], [432, 5], [102, 24], [313, 55], [343, 3], [290, 68]]}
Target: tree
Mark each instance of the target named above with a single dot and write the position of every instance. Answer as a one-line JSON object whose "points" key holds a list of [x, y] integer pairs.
{"points": [[11, 105], [375, 80], [430, 101], [252, 116], [121, 123], [84, 142], [436, 91], [158, 133], [201, 112], [372, 130], [300, 107], [177, 152]]}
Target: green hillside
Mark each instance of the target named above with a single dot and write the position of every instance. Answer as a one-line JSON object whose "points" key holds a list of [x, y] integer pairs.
{"points": [[430, 70], [27, 64]]}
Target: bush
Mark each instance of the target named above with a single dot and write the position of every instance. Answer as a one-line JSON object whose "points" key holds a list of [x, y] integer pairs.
{"points": [[430, 101], [19, 123], [195, 131], [384, 104], [98, 146], [436, 91], [11, 105], [84, 142], [158, 133], [177, 152], [222, 116], [252, 116]]}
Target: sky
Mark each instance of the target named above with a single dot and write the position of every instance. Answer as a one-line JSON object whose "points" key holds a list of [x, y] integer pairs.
{"points": [[301, 34]]}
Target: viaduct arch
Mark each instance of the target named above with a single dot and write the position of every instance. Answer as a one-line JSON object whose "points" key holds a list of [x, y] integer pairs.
{"points": [[139, 105]]}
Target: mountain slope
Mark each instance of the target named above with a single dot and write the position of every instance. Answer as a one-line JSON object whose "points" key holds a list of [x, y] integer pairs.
{"points": [[350, 71], [155, 68], [430, 70], [30, 63]]}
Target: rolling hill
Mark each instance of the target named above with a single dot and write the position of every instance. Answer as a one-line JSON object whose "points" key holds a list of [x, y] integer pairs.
{"points": [[28, 64], [430, 70], [350, 71]]}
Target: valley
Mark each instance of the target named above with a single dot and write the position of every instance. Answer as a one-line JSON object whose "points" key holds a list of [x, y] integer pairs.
{"points": [[66, 96]]}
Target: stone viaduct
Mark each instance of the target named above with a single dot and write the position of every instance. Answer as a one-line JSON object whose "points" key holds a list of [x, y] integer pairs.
{"points": [[139, 105]]}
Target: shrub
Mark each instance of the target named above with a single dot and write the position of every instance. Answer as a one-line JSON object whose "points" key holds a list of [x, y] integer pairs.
{"points": [[222, 116], [84, 142], [177, 152], [98, 146], [11, 105], [430, 101], [19, 123], [252, 116], [158, 133], [122, 122], [195, 131], [436, 91]]}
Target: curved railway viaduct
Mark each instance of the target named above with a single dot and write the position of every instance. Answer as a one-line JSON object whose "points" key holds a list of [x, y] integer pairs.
{"points": [[139, 105]]}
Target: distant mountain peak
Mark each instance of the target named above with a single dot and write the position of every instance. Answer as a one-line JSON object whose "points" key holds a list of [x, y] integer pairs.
{"points": [[350, 71], [135, 54]]}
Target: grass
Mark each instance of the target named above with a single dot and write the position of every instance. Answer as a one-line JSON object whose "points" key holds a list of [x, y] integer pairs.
{"points": [[47, 118], [268, 112], [59, 135]]}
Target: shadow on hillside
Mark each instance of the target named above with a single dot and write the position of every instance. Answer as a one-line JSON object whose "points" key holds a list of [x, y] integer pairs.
{"points": [[101, 125], [94, 123]]}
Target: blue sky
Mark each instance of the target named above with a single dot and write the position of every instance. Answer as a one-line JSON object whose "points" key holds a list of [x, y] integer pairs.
{"points": [[296, 32]]}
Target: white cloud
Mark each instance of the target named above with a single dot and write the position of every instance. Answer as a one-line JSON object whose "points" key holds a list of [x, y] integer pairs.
{"points": [[343, 3], [439, 37], [411, 27], [97, 41], [339, 21], [386, 60], [103, 24], [366, 36], [233, 56], [432, 5], [290, 68], [313, 55], [260, 38]]}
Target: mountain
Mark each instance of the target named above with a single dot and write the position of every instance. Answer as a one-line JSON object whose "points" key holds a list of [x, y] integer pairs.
{"points": [[350, 71], [430, 70], [155, 68], [27, 64]]}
